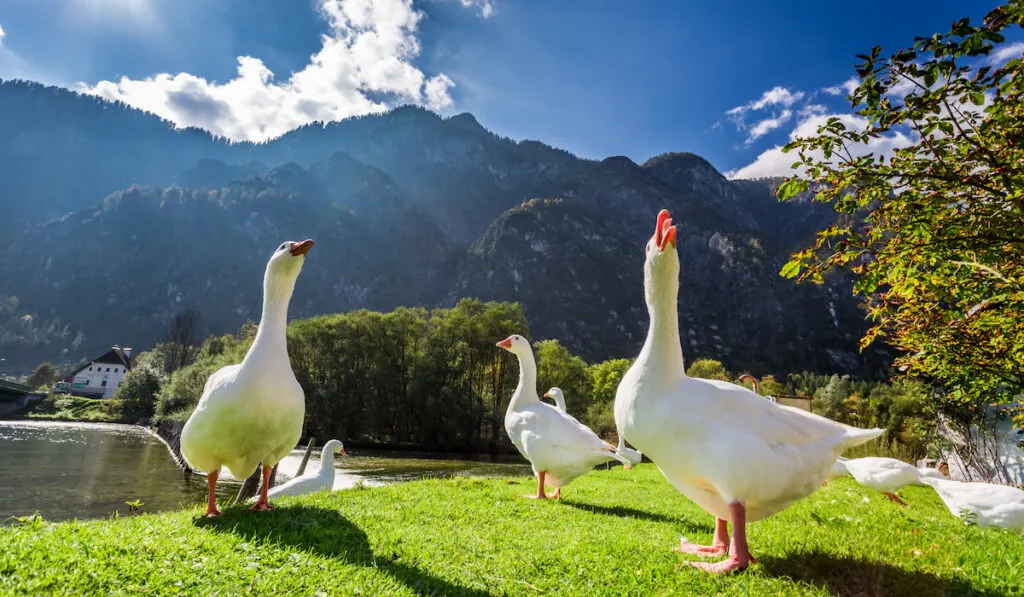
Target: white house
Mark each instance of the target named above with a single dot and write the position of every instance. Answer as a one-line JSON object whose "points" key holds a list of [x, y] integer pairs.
{"points": [[101, 377]]}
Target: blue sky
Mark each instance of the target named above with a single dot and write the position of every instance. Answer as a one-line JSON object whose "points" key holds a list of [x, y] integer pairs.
{"points": [[727, 79]]}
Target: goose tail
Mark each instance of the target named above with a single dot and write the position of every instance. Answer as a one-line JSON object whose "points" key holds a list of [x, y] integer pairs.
{"points": [[855, 437], [612, 451]]}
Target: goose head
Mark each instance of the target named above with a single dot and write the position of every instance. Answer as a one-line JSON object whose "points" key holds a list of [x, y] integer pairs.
{"points": [[661, 265], [336, 447], [556, 395], [517, 345], [288, 258]]}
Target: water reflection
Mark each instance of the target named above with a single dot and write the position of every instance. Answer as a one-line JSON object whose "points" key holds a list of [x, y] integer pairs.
{"points": [[88, 470]]}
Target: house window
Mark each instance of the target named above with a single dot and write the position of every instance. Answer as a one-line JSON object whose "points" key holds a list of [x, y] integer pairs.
{"points": [[90, 368], [86, 382], [104, 383], [108, 369]]}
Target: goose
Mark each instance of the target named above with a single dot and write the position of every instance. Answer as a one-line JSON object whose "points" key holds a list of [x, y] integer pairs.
{"points": [[738, 456], [252, 412], [559, 398], [988, 504], [559, 447], [628, 453], [885, 475], [310, 482]]}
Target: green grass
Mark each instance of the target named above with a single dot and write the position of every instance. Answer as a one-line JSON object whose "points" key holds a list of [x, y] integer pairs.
{"points": [[611, 534], [64, 407]]}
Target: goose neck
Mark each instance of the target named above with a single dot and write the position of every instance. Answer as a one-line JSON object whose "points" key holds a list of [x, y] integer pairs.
{"points": [[271, 337], [526, 391], [663, 348]]}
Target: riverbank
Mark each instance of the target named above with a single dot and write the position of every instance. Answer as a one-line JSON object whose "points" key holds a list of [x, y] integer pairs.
{"points": [[76, 409], [611, 535]]}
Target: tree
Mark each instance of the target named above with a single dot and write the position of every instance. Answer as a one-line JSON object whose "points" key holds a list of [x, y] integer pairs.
{"points": [[183, 340], [138, 394], [43, 375], [934, 233], [557, 367], [830, 401], [708, 369]]}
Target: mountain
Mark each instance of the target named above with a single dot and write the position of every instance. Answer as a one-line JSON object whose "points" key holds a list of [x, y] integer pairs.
{"points": [[131, 221]]}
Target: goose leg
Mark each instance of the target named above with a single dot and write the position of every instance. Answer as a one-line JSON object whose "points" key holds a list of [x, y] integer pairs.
{"points": [[894, 498], [262, 503], [558, 493], [540, 487], [211, 494], [739, 554], [718, 547]]}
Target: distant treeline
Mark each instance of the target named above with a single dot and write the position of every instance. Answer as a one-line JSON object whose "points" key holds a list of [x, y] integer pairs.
{"points": [[435, 379]]}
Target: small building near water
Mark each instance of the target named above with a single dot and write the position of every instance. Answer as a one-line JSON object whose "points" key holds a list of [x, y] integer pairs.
{"points": [[100, 377]]}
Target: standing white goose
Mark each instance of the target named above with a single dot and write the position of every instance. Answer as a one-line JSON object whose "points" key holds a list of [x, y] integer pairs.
{"points": [[735, 454], [885, 475], [559, 447], [628, 453], [990, 505], [252, 412], [310, 482]]}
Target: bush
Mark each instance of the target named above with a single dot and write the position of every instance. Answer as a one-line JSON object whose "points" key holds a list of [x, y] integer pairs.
{"points": [[137, 394], [708, 369]]}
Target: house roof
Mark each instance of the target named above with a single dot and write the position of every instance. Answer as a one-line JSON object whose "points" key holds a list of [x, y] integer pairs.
{"points": [[114, 356]]}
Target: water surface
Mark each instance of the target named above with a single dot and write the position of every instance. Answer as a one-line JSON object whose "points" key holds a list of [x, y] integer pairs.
{"points": [[89, 470]]}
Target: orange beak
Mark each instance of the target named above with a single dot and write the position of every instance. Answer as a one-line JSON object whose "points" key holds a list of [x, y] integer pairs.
{"points": [[344, 453], [664, 231], [301, 248], [547, 394], [506, 343]]}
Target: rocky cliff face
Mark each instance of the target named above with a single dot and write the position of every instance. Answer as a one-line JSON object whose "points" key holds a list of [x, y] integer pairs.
{"points": [[407, 208]]}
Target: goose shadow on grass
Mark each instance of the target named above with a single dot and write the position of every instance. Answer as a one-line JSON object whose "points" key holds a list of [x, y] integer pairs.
{"points": [[849, 577], [328, 533], [627, 512]]}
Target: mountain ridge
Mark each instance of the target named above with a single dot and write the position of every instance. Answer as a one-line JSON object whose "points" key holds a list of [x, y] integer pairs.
{"points": [[407, 208]]}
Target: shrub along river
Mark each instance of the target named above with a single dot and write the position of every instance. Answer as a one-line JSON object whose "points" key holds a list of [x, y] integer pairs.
{"points": [[89, 470]]}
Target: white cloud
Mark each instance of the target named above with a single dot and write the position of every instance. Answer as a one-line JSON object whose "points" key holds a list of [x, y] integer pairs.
{"points": [[776, 96], [848, 86], [1, 35], [773, 162], [768, 125], [1002, 55], [812, 110], [486, 7], [364, 64]]}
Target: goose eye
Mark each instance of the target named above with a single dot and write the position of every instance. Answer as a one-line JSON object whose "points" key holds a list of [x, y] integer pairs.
{"points": [[283, 245]]}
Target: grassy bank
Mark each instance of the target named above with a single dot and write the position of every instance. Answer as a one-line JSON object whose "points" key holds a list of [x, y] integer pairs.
{"points": [[63, 407], [610, 535]]}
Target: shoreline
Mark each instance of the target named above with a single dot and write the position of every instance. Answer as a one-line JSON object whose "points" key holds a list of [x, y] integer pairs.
{"points": [[170, 433]]}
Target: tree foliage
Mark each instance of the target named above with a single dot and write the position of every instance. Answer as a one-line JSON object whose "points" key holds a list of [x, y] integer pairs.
{"points": [[934, 233], [556, 366], [43, 375], [708, 369]]}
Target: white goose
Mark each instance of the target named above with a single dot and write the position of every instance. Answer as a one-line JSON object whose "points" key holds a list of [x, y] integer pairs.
{"points": [[558, 396], [310, 482], [559, 447], [990, 505], [252, 412], [735, 454], [885, 475], [628, 453]]}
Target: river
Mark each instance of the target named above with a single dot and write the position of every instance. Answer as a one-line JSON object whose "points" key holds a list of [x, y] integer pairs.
{"points": [[89, 470]]}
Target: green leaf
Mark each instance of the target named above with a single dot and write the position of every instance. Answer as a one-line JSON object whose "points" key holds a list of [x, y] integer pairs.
{"points": [[791, 269]]}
